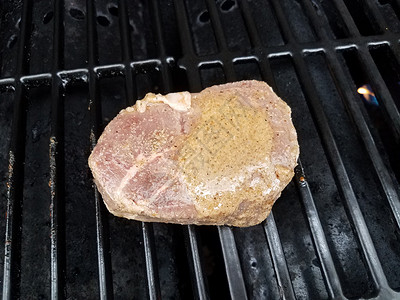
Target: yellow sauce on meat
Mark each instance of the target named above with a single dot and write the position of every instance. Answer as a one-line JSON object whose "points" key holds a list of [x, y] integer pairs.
{"points": [[229, 138]]}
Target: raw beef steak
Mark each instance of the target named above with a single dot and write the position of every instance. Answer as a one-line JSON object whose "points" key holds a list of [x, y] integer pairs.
{"points": [[221, 156]]}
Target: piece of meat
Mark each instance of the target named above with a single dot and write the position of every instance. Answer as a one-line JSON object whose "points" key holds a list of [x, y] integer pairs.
{"points": [[221, 156]]}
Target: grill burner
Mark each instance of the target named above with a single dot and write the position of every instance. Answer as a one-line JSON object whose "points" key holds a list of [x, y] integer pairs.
{"points": [[67, 68]]}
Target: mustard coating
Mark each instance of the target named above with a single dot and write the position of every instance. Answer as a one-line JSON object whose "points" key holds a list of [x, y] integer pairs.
{"points": [[222, 153]]}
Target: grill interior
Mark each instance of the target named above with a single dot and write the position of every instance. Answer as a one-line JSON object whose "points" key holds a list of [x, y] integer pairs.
{"points": [[68, 67]]}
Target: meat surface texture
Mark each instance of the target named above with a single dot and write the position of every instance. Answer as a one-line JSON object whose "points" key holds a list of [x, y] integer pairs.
{"points": [[218, 157]]}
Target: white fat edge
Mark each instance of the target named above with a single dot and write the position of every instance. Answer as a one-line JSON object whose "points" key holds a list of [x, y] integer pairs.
{"points": [[181, 101]]}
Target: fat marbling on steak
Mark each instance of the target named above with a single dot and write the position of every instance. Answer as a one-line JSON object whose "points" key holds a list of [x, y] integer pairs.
{"points": [[221, 156]]}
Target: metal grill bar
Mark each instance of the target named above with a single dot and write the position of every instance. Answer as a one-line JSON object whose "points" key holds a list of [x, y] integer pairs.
{"points": [[367, 246], [271, 231], [383, 174], [278, 258], [126, 50], [345, 186], [189, 57], [249, 22], [396, 51], [381, 90], [14, 198], [7, 84], [348, 95], [231, 257], [151, 267], [15, 169], [148, 235], [237, 287], [320, 243], [221, 41], [344, 182], [347, 18], [274, 243], [191, 62], [165, 77], [199, 283], [56, 156], [217, 26], [332, 279], [183, 28], [342, 178], [105, 282], [336, 163], [147, 228], [330, 275], [377, 16]]}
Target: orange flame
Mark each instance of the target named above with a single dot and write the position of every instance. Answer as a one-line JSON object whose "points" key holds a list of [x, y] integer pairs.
{"points": [[368, 94]]}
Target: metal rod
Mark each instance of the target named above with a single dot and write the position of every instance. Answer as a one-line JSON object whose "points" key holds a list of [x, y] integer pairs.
{"points": [[126, 50], [250, 24], [378, 19], [347, 18], [349, 99], [153, 281], [282, 22], [221, 40], [147, 229], [320, 243], [183, 28], [200, 289], [336, 163], [131, 96], [383, 174], [56, 160], [388, 105], [12, 245], [104, 265], [233, 269], [165, 78], [341, 176], [217, 26], [187, 61], [189, 57], [278, 259], [231, 258], [275, 245]]}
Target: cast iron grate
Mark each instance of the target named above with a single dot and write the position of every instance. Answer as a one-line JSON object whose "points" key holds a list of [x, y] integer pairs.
{"points": [[332, 235]]}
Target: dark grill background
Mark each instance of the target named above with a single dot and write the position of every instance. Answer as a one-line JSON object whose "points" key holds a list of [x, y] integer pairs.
{"points": [[68, 67]]}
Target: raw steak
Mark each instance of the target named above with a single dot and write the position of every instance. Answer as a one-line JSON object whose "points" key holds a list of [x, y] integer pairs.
{"points": [[221, 156]]}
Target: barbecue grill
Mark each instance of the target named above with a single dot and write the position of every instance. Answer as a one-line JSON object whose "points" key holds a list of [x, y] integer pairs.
{"points": [[68, 67]]}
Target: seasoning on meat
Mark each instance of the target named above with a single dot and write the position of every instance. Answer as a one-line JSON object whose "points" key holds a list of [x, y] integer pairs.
{"points": [[219, 157]]}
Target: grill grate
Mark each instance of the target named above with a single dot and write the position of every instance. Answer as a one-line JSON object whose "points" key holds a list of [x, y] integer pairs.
{"points": [[215, 39]]}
